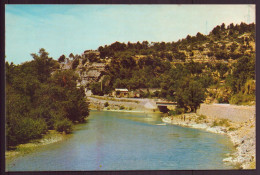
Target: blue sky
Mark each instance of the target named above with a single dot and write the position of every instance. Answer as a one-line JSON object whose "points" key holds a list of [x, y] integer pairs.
{"points": [[65, 29]]}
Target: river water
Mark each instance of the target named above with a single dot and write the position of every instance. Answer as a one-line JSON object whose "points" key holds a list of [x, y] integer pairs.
{"points": [[129, 141]]}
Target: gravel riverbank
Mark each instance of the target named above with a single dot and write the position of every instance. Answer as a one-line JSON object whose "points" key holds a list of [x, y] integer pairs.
{"points": [[241, 134]]}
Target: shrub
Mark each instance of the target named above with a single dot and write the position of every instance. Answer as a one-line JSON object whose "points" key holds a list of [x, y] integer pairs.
{"points": [[22, 130], [122, 107], [179, 110], [232, 129], [130, 108], [242, 99], [63, 126], [106, 104], [200, 118], [172, 112], [221, 122]]}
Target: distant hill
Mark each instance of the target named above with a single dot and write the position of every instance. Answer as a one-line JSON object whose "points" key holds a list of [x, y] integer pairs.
{"points": [[154, 65]]}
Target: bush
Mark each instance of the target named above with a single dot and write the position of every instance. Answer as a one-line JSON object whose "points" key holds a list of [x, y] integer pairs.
{"points": [[122, 107], [172, 112], [232, 129], [242, 99], [22, 130], [221, 122], [106, 104], [179, 110], [63, 126]]}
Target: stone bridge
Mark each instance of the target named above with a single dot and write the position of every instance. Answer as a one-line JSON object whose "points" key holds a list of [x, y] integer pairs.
{"points": [[164, 106]]}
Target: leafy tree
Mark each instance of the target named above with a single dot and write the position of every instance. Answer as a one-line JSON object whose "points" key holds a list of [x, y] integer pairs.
{"points": [[189, 94], [61, 58], [43, 64], [71, 56], [75, 63]]}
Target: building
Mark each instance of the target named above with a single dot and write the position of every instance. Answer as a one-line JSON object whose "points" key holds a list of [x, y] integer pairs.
{"points": [[120, 93]]}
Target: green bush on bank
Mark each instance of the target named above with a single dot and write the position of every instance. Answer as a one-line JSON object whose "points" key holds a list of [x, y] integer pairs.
{"points": [[221, 122], [23, 129], [63, 126]]}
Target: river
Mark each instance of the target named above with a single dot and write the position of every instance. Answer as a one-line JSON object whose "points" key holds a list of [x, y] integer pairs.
{"points": [[129, 141]]}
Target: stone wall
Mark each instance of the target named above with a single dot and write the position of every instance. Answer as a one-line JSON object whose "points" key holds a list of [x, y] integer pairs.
{"points": [[231, 112]]}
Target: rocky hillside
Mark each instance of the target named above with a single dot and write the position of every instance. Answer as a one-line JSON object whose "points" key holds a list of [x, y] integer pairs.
{"points": [[215, 57]]}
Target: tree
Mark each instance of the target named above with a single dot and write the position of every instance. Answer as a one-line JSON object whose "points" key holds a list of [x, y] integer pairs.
{"points": [[243, 70], [61, 58], [189, 94], [75, 63], [223, 27], [43, 64], [71, 56]]}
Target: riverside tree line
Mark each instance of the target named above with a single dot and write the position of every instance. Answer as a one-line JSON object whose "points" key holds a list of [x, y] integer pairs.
{"points": [[40, 98]]}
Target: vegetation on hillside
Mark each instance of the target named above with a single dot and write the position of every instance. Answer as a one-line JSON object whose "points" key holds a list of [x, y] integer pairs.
{"points": [[185, 70]]}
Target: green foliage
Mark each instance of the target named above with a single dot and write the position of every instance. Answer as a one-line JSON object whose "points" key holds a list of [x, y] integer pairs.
{"points": [[122, 107], [63, 126], [232, 129], [243, 71], [242, 99], [200, 118], [179, 110], [106, 104], [75, 63], [37, 100], [96, 89], [61, 58], [221, 122], [172, 112], [21, 129], [190, 94]]}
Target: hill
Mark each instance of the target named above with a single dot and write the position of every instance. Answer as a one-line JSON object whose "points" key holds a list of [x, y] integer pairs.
{"points": [[222, 63]]}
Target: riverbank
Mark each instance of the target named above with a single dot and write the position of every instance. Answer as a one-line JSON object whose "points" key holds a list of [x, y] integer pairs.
{"points": [[51, 137], [242, 135], [122, 104]]}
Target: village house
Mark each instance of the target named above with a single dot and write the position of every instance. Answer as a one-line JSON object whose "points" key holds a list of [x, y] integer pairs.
{"points": [[119, 92]]}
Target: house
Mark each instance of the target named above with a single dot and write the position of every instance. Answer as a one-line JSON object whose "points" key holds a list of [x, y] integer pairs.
{"points": [[120, 93]]}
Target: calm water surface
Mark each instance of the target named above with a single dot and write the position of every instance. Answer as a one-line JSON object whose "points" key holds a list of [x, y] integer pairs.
{"points": [[129, 141]]}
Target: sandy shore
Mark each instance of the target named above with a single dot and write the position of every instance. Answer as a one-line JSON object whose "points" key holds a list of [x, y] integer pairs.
{"points": [[242, 135], [51, 137]]}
